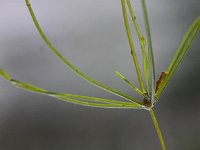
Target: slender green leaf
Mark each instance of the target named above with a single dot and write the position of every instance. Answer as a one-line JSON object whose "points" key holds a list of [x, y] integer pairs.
{"points": [[5, 75], [64, 60], [133, 53], [100, 105], [77, 99], [183, 43], [183, 48], [151, 66], [142, 43], [129, 83]]}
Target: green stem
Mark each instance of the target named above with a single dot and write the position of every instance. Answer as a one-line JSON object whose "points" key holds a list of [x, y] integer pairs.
{"points": [[150, 50], [132, 45], [159, 133], [183, 48], [72, 98], [142, 44], [129, 83], [70, 65]]}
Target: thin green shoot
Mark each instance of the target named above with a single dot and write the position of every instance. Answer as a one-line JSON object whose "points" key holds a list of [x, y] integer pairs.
{"points": [[150, 98], [131, 44], [75, 69], [159, 133], [73, 98], [142, 44], [183, 48], [151, 65], [183, 43], [129, 83]]}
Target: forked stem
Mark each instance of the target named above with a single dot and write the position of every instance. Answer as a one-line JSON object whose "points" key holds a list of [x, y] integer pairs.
{"points": [[70, 65], [159, 133]]}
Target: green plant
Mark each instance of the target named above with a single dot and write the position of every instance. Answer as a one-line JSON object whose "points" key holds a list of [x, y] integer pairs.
{"points": [[150, 89]]}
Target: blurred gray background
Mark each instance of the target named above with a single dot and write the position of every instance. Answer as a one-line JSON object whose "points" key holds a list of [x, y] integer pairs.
{"points": [[91, 34]]}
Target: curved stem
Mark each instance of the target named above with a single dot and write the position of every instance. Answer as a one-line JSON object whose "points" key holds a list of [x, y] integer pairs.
{"points": [[159, 133], [70, 65], [72, 98]]}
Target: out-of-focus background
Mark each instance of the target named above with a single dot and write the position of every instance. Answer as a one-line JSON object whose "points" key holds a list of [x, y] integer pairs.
{"points": [[91, 34]]}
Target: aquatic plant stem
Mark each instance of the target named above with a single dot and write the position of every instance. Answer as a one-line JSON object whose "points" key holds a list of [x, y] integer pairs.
{"points": [[159, 133], [131, 44], [183, 48], [142, 44], [151, 65], [70, 65]]}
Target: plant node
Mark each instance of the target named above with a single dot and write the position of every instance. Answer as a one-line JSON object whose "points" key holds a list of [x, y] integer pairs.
{"points": [[147, 103]]}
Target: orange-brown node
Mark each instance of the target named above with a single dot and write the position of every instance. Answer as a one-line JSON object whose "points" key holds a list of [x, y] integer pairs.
{"points": [[160, 81]]}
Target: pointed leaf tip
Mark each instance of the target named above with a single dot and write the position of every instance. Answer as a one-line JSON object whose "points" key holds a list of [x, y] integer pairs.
{"points": [[5, 74]]}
